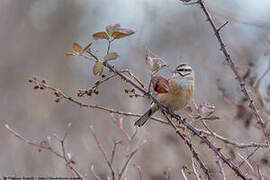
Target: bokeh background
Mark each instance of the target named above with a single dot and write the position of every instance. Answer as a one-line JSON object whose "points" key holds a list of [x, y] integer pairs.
{"points": [[34, 36]]}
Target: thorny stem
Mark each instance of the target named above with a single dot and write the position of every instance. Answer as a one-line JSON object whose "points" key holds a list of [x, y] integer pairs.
{"points": [[185, 123], [242, 83], [189, 144], [74, 171]]}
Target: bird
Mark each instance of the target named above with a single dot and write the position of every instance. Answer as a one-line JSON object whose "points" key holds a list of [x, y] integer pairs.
{"points": [[174, 93]]}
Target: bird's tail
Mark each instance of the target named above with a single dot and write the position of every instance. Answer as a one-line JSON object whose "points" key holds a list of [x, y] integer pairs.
{"points": [[140, 122]]}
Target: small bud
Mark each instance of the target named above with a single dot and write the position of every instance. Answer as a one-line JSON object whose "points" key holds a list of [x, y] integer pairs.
{"points": [[56, 93], [30, 80], [131, 96], [41, 87], [103, 75], [136, 95], [96, 92], [57, 100], [132, 90], [126, 90], [34, 78], [97, 83], [36, 86], [69, 98], [89, 92], [43, 81]]}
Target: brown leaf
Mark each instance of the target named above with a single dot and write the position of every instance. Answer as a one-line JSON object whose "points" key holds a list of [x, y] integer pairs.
{"points": [[160, 84], [101, 35], [112, 28], [117, 32], [77, 48], [69, 54], [122, 32], [111, 56], [98, 68]]}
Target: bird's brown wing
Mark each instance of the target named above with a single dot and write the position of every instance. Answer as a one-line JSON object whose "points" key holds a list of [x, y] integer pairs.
{"points": [[160, 84]]}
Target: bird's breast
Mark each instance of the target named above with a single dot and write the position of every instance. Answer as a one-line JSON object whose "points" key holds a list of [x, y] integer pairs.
{"points": [[178, 96]]}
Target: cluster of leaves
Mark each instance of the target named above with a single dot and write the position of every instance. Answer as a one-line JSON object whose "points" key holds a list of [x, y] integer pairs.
{"points": [[112, 33]]}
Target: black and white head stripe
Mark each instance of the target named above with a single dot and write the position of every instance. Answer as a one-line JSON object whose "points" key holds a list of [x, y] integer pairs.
{"points": [[184, 69]]}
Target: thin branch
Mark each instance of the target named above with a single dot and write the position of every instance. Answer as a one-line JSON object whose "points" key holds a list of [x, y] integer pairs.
{"points": [[194, 169], [74, 171], [61, 95], [235, 70], [221, 170], [101, 148], [185, 123], [129, 157], [183, 173], [115, 143], [189, 144], [249, 156], [232, 142], [139, 169], [94, 173], [245, 160]]}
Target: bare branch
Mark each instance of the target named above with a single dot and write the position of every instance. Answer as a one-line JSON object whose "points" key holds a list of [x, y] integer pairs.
{"points": [[94, 173], [189, 144], [74, 171], [101, 148], [139, 169], [183, 173], [194, 169], [221, 170], [235, 70]]}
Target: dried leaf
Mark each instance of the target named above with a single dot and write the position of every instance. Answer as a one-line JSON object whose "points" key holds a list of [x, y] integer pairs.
{"points": [[117, 32], [160, 84], [69, 54], [98, 68], [112, 28], [153, 63], [77, 48], [206, 109], [111, 56], [122, 32], [101, 35]]}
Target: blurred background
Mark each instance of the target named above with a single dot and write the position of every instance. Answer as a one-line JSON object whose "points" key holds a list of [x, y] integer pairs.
{"points": [[34, 36]]}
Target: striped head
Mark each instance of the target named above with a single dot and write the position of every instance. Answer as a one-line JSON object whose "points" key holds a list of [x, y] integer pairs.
{"points": [[184, 76], [184, 71]]}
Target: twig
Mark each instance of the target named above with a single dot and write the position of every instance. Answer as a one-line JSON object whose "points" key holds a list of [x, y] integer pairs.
{"points": [[249, 156], [245, 160], [139, 169], [221, 170], [61, 95], [94, 173], [194, 169], [260, 176], [234, 143], [129, 157], [234, 69], [189, 144], [74, 171], [100, 147], [115, 143], [183, 173]]}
